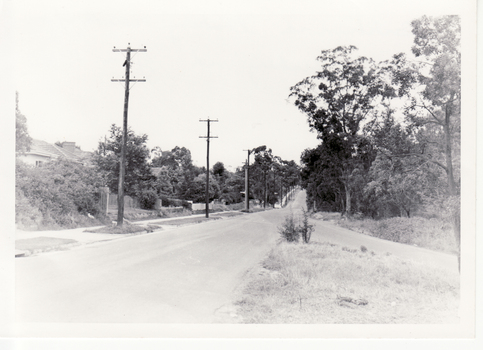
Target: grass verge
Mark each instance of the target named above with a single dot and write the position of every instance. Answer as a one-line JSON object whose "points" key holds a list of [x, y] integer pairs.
{"points": [[188, 221], [124, 229], [323, 283], [42, 244], [432, 234]]}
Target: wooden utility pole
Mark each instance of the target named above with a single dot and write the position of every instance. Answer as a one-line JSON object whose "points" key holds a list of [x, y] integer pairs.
{"points": [[122, 162], [247, 191], [207, 137]]}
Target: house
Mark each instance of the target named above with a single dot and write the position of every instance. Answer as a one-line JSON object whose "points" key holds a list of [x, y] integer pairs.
{"points": [[41, 152]]}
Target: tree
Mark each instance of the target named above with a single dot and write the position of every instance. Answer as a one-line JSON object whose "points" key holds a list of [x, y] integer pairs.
{"points": [[230, 184], [438, 41], [434, 110], [233, 186], [178, 157], [139, 180], [291, 175], [198, 188], [320, 177], [22, 137], [399, 179], [271, 176], [219, 171], [260, 172], [178, 172], [337, 100]]}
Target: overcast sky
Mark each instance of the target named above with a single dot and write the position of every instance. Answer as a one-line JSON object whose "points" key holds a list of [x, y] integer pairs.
{"points": [[234, 61]]}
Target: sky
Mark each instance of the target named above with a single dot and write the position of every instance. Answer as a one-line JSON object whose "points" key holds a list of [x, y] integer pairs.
{"points": [[233, 61]]}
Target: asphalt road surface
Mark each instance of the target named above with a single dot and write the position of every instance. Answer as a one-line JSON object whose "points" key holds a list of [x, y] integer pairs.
{"points": [[176, 276], [184, 275]]}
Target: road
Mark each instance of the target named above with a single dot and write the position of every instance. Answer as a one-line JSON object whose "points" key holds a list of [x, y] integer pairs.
{"points": [[174, 276], [184, 275]]}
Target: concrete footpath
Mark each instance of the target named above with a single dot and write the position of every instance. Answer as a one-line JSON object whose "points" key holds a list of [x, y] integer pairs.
{"points": [[34, 242]]}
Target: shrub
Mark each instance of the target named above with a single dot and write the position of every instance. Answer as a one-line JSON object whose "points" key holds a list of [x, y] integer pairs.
{"points": [[305, 228], [147, 198], [289, 230], [58, 195], [292, 232], [26, 215]]}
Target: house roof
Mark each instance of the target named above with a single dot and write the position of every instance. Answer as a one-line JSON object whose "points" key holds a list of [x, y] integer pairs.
{"points": [[54, 151]]}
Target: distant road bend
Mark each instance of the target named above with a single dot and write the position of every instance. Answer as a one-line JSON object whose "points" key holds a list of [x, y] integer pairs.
{"points": [[178, 276]]}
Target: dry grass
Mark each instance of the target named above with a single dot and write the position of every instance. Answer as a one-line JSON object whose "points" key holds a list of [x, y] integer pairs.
{"points": [[434, 234], [329, 284], [428, 233]]}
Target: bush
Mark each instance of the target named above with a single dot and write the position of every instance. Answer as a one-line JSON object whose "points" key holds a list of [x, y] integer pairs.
{"points": [[289, 230], [26, 215], [292, 232], [57, 195], [147, 198], [305, 228]]}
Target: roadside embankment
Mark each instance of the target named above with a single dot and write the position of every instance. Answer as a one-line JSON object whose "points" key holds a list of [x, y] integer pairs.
{"points": [[434, 234]]}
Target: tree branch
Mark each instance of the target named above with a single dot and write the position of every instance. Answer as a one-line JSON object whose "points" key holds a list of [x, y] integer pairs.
{"points": [[422, 156], [438, 121]]}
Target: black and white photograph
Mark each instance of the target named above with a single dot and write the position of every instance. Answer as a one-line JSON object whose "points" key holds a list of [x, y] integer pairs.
{"points": [[280, 170]]}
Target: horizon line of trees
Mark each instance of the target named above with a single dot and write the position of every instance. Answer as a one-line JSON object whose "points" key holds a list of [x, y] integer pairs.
{"points": [[177, 176]]}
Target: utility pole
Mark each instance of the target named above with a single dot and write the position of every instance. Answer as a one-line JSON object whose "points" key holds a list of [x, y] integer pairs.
{"points": [[122, 162], [247, 199], [207, 137]]}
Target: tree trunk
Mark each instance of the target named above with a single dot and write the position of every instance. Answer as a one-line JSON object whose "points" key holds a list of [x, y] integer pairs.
{"points": [[347, 200], [452, 190], [340, 199], [265, 190]]}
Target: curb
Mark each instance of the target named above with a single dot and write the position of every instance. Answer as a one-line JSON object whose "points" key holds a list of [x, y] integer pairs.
{"points": [[20, 253]]}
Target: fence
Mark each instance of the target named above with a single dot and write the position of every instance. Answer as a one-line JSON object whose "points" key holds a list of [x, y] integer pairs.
{"points": [[201, 206], [129, 202]]}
